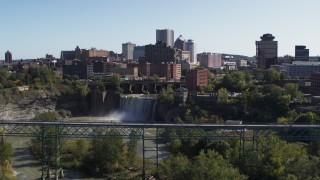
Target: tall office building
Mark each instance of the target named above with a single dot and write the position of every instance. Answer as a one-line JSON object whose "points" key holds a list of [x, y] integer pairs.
{"points": [[192, 48], [266, 51], [166, 36], [8, 57], [301, 53], [127, 50]]}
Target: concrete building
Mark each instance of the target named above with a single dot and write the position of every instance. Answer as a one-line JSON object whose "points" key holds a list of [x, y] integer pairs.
{"points": [[166, 36], [210, 60], [302, 68], [127, 50], [192, 47], [160, 53], [301, 53], [196, 78], [8, 57], [315, 84], [266, 51], [138, 51]]}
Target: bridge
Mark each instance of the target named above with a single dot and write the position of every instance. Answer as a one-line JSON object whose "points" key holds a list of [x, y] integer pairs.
{"points": [[55, 131], [143, 87]]}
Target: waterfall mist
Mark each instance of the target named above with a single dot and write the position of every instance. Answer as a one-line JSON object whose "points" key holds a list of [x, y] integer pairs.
{"points": [[138, 107]]}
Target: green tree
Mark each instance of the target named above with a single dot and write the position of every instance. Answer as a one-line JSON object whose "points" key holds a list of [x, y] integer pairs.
{"points": [[132, 147], [175, 167], [271, 75], [292, 90], [212, 165], [166, 95], [308, 118], [234, 81], [5, 151], [280, 159], [222, 96], [115, 82], [107, 155]]}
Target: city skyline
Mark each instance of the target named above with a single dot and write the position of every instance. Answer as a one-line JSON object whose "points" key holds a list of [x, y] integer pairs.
{"points": [[31, 29]]}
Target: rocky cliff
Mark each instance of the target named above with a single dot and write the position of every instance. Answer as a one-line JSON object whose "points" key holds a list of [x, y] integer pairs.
{"points": [[26, 105]]}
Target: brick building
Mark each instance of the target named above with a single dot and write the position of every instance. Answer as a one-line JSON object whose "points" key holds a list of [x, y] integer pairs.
{"points": [[196, 78]]}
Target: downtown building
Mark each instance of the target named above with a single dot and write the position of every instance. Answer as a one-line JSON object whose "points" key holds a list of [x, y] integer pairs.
{"points": [[302, 69], [196, 78], [315, 84], [210, 60], [187, 46], [266, 51], [301, 53], [171, 71], [8, 57], [161, 53], [127, 50], [85, 55], [166, 36]]}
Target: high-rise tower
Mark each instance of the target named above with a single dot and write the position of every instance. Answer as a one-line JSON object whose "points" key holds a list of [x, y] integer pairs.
{"points": [[191, 46], [266, 51], [127, 50], [8, 57], [166, 36]]}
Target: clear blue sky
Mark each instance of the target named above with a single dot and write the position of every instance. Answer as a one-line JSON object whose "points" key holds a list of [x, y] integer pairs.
{"points": [[33, 28]]}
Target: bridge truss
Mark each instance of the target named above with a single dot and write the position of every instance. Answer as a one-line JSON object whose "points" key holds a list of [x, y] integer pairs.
{"points": [[150, 134]]}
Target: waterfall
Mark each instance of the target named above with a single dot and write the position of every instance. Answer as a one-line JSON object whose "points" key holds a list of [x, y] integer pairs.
{"points": [[138, 107]]}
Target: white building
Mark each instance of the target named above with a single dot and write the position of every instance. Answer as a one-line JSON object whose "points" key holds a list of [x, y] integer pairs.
{"points": [[127, 50], [302, 68]]}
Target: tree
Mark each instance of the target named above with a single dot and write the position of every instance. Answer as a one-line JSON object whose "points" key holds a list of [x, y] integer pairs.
{"points": [[292, 90], [308, 118], [132, 147], [222, 96], [166, 95], [5, 151], [234, 81], [211, 165], [271, 75], [115, 82], [107, 155], [175, 167], [280, 160]]}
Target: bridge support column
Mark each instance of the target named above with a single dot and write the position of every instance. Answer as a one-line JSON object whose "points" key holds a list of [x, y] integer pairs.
{"points": [[51, 158]]}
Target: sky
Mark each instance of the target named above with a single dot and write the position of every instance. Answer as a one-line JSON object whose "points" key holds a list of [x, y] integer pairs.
{"points": [[34, 28]]}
